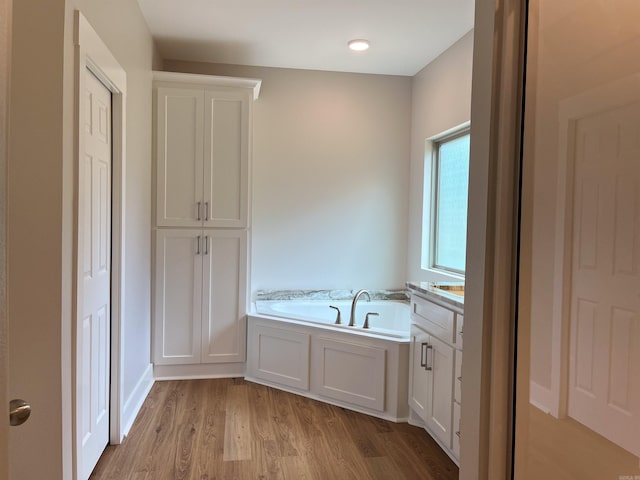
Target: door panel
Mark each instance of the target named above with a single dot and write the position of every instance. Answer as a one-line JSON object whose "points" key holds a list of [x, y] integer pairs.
{"points": [[226, 163], [178, 294], [95, 289], [179, 151], [604, 373], [439, 406], [224, 296], [419, 377]]}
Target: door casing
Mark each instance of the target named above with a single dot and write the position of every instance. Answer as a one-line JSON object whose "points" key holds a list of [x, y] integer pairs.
{"points": [[91, 53]]}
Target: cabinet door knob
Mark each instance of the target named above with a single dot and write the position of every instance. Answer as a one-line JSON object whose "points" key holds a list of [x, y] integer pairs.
{"points": [[206, 211], [198, 204], [198, 245], [206, 245]]}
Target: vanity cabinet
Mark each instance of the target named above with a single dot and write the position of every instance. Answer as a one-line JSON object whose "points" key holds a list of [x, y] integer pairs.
{"points": [[434, 378], [202, 151]]}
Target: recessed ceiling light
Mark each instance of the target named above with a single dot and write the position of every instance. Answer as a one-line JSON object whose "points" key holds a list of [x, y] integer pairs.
{"points": [[359, 45]]}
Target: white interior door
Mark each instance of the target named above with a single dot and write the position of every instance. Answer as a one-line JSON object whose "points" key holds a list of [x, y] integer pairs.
{"points": [[94, 267], [604, 371]]}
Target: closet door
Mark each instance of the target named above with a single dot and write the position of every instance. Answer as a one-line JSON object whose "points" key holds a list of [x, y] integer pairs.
{"points": [[178, 296], [179, 152], [226, 158], [224, 301]]}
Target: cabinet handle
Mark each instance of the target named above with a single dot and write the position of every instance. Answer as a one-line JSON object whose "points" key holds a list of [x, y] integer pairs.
{"points": [[460, 378], [198, 211], [198, 245], [206, 245], [458, 434], [206, 211], [423, 361], [428, 367]]}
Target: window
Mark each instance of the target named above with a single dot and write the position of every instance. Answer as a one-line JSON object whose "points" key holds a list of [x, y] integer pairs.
{"points": [[446, 230]]}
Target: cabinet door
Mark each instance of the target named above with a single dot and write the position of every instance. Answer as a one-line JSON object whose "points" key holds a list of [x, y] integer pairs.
{"points": [[224, 296], [348, 372], [179, 152], [278, 355], [419, 377], [226, 158], [178, 292], [440, 401]]}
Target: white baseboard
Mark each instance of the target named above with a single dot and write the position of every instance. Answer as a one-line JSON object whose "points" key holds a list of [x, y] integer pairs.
{"points": [[330, 401], [133, 404], [199, 371], [540, 397]]}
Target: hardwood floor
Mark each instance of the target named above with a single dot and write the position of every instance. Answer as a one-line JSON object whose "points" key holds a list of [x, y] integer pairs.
{"points": [[233, 429], [563, 449]]}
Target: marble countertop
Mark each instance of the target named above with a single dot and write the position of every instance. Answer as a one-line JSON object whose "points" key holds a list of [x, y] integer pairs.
{"points": [[398, 295], [436, 289]]}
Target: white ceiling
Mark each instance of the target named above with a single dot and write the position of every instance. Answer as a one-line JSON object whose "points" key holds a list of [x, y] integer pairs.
{"points": [[405, 35]]}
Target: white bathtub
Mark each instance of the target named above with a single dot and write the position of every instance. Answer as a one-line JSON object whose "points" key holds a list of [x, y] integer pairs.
{"points": [[392, 321], [297, 347]]}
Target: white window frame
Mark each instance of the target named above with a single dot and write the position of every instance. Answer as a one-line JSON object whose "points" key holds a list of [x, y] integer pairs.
{"points": [[432, 146]]}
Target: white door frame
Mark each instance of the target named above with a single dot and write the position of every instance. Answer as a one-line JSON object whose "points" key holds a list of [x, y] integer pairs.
{"points": [[609, 96], [91, 53]]}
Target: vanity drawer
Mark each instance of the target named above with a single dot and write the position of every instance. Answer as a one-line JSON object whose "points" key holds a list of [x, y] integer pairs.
{"points": [[436, 320]]}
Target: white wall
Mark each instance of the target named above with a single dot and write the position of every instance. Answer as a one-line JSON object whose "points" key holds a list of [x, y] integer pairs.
{"points": [[40, 216], [330, 177], [441, 100]]}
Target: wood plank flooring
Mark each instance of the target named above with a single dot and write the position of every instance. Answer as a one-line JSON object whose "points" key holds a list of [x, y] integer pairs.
{"points": [[233, 429]]}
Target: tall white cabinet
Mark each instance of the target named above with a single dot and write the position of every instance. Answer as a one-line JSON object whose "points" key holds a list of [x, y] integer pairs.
{"points": [[201, 223]]}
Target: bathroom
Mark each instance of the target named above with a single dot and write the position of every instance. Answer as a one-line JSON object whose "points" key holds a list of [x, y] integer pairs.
{"points": [[341, 208], [346, 195]]}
